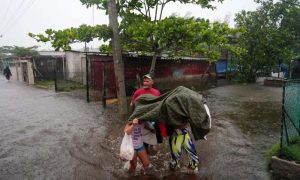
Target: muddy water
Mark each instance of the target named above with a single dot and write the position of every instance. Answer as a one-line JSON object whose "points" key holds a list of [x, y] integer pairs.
{"points": [[58, 136], [246, 122], [44, 135]]}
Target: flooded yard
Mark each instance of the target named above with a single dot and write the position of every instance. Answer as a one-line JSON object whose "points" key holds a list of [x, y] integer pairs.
{"points": [[58, 136]]}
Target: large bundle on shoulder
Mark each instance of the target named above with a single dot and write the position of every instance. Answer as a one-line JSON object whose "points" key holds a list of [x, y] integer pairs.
{"points": [[175, 108]]}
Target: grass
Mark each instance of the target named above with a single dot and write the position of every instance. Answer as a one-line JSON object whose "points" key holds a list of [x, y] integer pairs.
{"points": [[62, 85], [68, 85], [275, 149], [291, 152], [45, 83]]}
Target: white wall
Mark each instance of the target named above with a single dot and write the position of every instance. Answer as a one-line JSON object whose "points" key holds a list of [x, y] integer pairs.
{"points": [[17, 72], [74, 67]]}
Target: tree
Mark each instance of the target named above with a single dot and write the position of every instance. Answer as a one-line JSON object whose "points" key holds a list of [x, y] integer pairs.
{"points": [[17, 51], [61, 39], [5, 51], [150, 13], [266, 37], [117, 57], [179, 37]]}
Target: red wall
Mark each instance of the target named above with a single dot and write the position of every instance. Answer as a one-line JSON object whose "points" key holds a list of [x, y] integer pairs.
{"points": [[141, 65], [97, 68]]}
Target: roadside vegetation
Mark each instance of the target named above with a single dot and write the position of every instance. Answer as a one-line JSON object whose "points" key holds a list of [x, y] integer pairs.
{"points": [[291, 152], [62, 85], [44, 83], [69, 85]]}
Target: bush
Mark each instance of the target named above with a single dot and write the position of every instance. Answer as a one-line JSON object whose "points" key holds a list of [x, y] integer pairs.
{"points": [[275, 149], [291, 152]]}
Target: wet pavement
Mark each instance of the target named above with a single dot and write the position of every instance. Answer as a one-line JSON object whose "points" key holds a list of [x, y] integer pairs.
{"points": [[45, 135]]}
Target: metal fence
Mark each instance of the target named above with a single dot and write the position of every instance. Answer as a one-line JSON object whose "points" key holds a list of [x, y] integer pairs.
{"points": [[79, 84], [290, 128], [70, 81]]}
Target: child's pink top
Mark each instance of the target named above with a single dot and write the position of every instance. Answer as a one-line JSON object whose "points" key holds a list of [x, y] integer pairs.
{"points": [[137, 137]]}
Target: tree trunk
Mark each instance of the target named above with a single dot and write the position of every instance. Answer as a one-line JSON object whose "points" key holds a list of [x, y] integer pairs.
{"points": [[153, 63], [202, 80], [117, 57]]}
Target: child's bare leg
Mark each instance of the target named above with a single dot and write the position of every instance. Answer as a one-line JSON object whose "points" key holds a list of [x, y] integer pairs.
{"points": [[143, 156], [133, 163]]}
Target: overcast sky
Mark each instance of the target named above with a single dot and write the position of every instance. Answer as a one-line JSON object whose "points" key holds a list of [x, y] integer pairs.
{"points": [[18, 17]]}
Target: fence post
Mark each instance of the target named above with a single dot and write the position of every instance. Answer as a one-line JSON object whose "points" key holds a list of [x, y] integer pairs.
{"points": [[55, 77], [282, 115], [104, 78], [87, 78]]}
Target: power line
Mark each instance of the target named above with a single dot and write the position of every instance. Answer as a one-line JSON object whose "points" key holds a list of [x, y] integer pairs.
{"points": [[22, 12], [13, 15], [6, 13]]}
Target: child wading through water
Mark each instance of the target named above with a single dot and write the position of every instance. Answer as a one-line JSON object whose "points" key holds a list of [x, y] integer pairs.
{"points": [[135, 129]]}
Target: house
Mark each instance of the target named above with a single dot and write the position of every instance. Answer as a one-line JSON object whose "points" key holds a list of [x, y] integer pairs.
{"points": [[169, 73], [49, 64], [61, 65], [75, 66], [221, 68], [21, 69]]}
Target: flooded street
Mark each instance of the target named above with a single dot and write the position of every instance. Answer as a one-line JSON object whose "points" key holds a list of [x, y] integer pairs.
{"points": [[45, 135], [246, 124]]}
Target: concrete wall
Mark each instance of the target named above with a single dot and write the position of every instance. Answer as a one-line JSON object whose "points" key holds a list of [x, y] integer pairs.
{"points": [[30, 73], [22, 71], [74, 69], [283, 169]]}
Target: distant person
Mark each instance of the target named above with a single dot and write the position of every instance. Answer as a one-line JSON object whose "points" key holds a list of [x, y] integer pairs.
{"points": [[7, 73]]}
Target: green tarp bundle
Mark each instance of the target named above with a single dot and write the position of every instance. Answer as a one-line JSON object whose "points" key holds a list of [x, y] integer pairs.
{"points": [[175, 108]]}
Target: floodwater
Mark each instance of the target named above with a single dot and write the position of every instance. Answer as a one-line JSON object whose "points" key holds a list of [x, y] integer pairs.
{"points": [[47, 135]]}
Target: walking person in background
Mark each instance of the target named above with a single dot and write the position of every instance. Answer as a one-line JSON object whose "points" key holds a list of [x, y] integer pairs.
{"points": [[7, 73]]}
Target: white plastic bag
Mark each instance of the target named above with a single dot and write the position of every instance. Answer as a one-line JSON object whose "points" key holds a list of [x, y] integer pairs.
{"points": [[126, 149]]}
